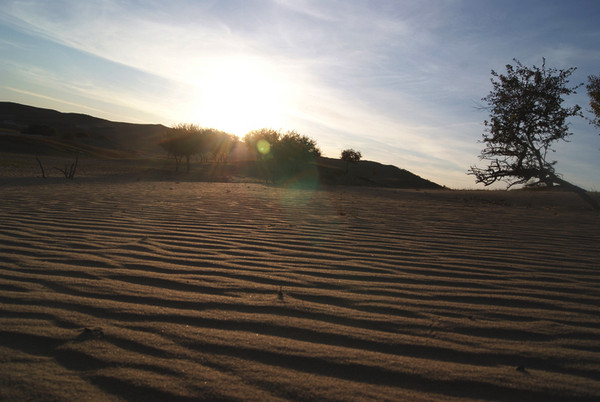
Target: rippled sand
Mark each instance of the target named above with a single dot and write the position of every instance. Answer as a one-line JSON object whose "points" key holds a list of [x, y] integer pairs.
{"points": [[184, 291]]}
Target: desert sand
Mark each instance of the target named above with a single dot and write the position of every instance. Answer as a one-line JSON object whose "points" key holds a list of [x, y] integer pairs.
{"points": [[163, 290]]}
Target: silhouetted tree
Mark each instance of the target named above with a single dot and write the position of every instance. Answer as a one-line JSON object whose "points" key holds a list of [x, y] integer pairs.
{"points": [[526, 117], [183, 140], [295, 147], [217, 144], [293, 152], [593, 90], [260, 141], [281, 154], [350, 156]]}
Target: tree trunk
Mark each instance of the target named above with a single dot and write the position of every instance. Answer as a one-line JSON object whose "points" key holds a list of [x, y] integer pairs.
{"points": [[581, 192]]}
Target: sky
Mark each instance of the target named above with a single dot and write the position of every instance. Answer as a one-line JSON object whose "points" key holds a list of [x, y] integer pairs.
{"points": [[400, 81]]}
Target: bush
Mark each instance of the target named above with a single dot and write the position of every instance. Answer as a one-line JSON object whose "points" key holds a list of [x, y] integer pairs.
{"points": [[40, 129]]}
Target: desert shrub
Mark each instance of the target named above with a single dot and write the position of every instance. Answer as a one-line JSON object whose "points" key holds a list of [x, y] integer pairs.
{"points": [[40, 129]]}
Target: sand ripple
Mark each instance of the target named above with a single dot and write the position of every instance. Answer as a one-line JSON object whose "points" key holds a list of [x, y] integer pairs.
{"points": [[166, 291]]}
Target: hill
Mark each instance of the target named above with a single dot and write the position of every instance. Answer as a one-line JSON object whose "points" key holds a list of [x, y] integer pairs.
{"points": [[370, 173], [50, 131], [36, 131]]}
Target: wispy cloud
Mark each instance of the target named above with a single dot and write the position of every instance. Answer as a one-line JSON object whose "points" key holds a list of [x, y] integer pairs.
{"points": [[399, 79], [54, 100]]}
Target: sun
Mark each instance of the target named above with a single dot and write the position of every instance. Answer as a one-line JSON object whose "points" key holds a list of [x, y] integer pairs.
{"points": [[241, 94]]}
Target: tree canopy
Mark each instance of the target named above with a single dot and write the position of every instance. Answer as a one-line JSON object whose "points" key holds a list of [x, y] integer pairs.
{"points": [[295, 147], [281, 154], [593, 90], [185, 140], [350, 156], [527, 117], [259, 142]]}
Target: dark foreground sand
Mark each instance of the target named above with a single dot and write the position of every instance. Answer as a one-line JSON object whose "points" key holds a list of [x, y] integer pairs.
{"points": [[166, 291]]}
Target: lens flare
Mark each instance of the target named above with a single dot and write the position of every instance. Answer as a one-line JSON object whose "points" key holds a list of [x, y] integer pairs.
{"points": [[263, 146]]}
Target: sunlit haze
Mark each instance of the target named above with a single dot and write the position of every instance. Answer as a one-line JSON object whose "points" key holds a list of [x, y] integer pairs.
{"points": [[401, 81]]}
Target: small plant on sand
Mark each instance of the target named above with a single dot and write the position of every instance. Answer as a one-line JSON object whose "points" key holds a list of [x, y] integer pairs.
{"points": [[69, 170], [41, 166]]}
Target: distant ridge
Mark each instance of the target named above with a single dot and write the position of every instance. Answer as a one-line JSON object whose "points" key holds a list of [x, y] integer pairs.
{"points": [[128, 138], [50, 132], [371, 174]]}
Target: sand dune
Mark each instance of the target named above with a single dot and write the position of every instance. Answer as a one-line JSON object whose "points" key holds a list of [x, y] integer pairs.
{"points": [[167, 291]]}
